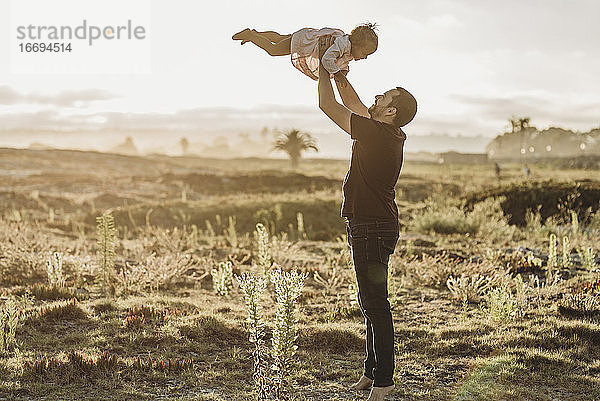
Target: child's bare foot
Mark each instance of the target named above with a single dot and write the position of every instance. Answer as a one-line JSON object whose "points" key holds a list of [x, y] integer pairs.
{"points": [[364, 383], [242, 35], [379, 393]]}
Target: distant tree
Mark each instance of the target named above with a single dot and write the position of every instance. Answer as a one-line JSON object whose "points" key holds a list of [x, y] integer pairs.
{"points": [[514, 124], [524, 123], [129, 142], [294, 142], [185, 144], [264, 133], [519, 123]]}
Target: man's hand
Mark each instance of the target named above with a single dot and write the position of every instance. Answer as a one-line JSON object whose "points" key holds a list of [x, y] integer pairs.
{"points": [[340, 78], [325, 43], [335, 111]]}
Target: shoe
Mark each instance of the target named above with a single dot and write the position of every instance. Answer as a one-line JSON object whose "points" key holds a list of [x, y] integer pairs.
{"points": [[379, 393], [364, 383]]}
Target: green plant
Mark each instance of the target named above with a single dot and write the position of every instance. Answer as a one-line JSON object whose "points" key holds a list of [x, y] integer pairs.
{"points": [[552, 252], [263, 254], [522, 291], [288, 287], [210, 233], [301, 231], [533, 220], [574, 221], [253, 286], [45, 292], [488, 221], [107, 239], [579, 305], [448, 216], [410, 248], [231, 233], [501, 305], [442, 216], [68, 310], [566, 253], [54, 268], [193, 237], [533, 260], [469, 288], [428, 271], [223, 278], [12, 315], [588, 258], [331, 282], [149, 363], [153, 272]]}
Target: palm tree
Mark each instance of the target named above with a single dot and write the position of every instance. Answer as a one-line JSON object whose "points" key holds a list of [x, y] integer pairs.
{"points": [[524, 123], [519, 123], [294, 142]]}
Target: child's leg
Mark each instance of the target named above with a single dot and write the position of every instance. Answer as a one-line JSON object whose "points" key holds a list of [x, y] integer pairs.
{"points": [[273, 36], [281, 48]]}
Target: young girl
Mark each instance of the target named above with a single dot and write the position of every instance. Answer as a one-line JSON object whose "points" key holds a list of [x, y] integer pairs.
{"points": [[303, 46]]}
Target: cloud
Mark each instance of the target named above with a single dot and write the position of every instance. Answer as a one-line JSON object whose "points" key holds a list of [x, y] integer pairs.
{"points": [[9, 96], [474, 115], [78, 98], [208, 119], [545, 110]]}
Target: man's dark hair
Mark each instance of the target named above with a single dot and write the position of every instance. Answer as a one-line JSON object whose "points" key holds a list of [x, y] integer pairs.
{"points": [[365, 33], [406, 107]]}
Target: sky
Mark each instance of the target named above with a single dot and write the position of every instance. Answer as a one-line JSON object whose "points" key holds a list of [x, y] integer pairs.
{"points": [[471, 64]]}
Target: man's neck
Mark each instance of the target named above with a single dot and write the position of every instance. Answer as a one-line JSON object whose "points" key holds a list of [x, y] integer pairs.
{"points": [[383, 120]]}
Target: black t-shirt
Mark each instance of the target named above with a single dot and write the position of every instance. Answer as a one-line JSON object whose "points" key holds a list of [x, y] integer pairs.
{"points": [[377, 154]]}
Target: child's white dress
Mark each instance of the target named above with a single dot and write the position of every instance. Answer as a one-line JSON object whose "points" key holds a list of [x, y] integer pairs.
{"points": [[305, 51]]}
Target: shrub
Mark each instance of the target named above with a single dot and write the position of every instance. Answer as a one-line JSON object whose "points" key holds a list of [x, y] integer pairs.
{"points": [[445, 216], [153, 272], [45, 292], [428, 271], [501, 305], [150, 363], [551, 198], [107, 239], [331, 282], [231, 233], [263, 254], [253, 287], [469, 288], [552, 253], [588, 258], [288, 287], [12, 315], [54, 267], [579, 305], [441, 216], [69, 310], [223, 278]]}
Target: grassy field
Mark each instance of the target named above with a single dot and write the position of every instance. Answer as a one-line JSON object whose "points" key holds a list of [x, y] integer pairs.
{"points": [[483, 310]]}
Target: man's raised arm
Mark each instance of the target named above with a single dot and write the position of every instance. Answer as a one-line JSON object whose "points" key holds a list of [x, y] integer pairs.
{"points": [[349, 96], [335, 111]]}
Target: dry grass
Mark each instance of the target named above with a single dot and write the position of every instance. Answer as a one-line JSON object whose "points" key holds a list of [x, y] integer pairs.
{"points": [[166, 335]]}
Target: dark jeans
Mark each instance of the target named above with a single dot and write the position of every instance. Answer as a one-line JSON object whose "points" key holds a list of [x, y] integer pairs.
{"points": [[372, 242]]}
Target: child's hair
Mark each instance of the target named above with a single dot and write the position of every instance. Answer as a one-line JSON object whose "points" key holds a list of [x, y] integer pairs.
{"points": [[365, 33]]}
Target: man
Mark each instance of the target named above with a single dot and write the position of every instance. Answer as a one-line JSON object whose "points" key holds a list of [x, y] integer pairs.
{"points": [[370, 209]]}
